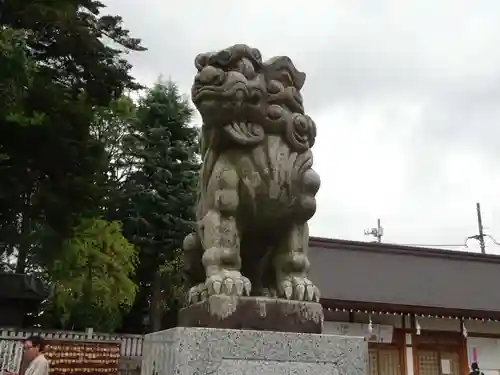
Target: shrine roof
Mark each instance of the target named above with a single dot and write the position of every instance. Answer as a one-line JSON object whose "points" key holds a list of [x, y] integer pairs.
{"points": [[17, 286], [404, 278]]}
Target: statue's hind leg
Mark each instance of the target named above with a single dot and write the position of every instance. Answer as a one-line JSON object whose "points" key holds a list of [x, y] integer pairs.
{"points": [[220, 236], [291, 266]]}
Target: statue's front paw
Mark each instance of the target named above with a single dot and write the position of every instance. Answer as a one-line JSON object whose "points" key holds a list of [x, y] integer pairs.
{"points": [[229, 283], [298, 288]]}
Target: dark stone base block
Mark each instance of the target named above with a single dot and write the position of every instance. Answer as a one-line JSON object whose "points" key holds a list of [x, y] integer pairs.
{"points": [[254, 313]]}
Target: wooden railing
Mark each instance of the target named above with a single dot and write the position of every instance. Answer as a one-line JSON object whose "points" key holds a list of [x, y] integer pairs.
{"points": [[131, 345], [10, 355]]}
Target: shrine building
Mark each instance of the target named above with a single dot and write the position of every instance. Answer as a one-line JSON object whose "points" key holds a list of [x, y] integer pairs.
{"points": [[424, 311], [20, 296]]}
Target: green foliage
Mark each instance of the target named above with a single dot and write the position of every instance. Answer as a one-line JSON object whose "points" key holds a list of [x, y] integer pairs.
{"points": [[159, 196], [61, 68], [163, 146], [174, 288], [16, 77], [111, 125], [71, 44], [93, 276], [62, 76], [78, 157]]}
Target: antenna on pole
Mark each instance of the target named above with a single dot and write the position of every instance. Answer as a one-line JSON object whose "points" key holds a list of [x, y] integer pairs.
{"points": [[377, 232], [479, 237], [480, 226]]}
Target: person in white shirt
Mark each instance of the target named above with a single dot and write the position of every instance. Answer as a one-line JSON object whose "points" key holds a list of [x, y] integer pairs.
{"points": [[33, 353]]}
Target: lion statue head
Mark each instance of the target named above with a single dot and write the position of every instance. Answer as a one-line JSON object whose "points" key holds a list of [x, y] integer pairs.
{"points": [[241, 99]]}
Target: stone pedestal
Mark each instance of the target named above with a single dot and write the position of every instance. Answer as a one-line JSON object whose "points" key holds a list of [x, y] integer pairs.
{"points": [[203, 351], [255, 313]]}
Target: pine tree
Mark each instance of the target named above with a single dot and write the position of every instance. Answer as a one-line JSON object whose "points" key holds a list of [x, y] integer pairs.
{"points": [[161, 195]]}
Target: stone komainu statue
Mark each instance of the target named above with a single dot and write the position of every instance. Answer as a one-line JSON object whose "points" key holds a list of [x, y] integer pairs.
{"points": [[256, 187]]}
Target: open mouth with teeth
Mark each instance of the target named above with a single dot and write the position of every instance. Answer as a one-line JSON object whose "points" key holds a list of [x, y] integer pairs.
{"points": [[239, 93]]}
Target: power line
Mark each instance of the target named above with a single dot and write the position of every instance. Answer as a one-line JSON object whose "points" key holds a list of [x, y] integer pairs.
{"points": [[378, 232], [475, 237], [493, 239], [427, 245]]}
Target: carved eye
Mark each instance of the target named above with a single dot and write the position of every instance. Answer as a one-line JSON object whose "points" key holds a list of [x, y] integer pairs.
{"points": [[274, 87], [246, 68], [220, 59], [224, 57]]}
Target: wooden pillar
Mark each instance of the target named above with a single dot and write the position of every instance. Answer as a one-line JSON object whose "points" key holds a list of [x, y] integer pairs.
{"points": [[465, 353], [412, 351]]}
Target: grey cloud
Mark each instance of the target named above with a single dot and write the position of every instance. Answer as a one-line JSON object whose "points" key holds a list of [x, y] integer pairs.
{"points": [[410, 87]]}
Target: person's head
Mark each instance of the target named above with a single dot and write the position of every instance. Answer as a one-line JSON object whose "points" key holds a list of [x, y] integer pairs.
{"points": [[33, 346], [474, 366]]}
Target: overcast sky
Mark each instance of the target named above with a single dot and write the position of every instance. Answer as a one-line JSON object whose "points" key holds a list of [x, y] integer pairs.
{"points": [[405, 95]]}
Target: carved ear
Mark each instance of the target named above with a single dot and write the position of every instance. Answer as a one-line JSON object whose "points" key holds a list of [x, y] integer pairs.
{"points": [[284, 63], [301, 132], [256, 53]]}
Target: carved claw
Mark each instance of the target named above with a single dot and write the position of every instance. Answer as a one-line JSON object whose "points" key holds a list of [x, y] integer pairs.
{"points": [[228, 286], [239, 285], [287, 288], [230, 283], [192, 296], [300, 291], [197, 293], [247, 286], [298, 288], [214, 287], [311, 292]]}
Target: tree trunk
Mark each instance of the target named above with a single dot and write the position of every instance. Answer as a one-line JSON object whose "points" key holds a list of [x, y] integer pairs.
{"points": [[155, 312]]}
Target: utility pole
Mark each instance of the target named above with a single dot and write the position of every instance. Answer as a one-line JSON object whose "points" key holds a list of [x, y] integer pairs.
{"points": [[377, 232], [480, 236]]}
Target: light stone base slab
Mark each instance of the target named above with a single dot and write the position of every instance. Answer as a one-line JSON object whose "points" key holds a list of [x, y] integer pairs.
{"points": [[204, 351]]}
